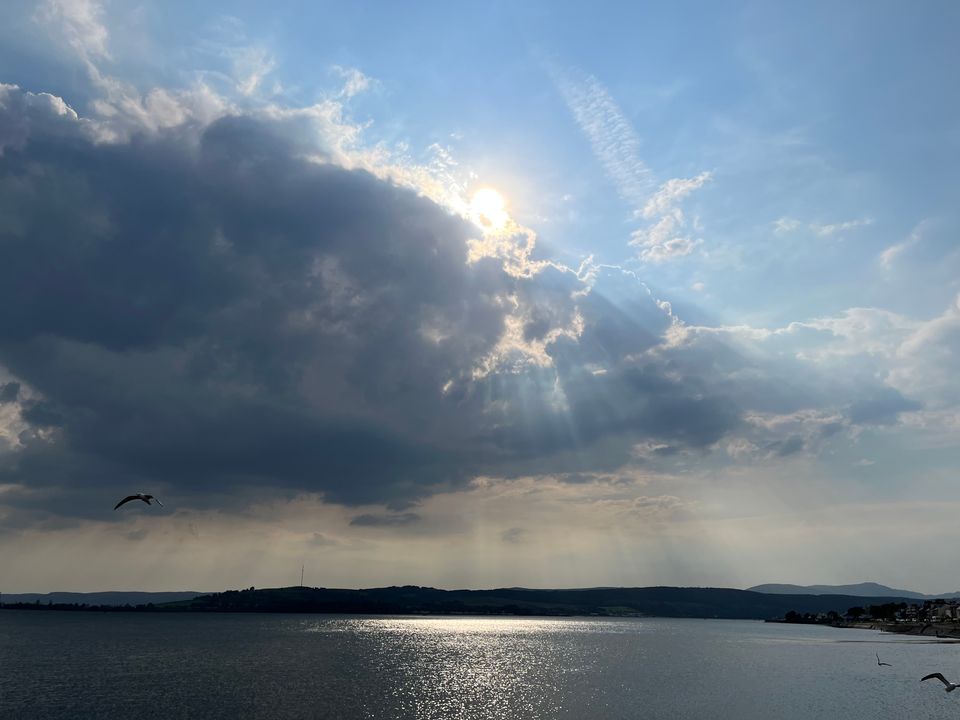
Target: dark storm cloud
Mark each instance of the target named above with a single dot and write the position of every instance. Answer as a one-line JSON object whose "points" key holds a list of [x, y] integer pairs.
{"points": [[41, 414], [9, 392], [24, 115], [210, 313], [204, 311], [606, 389]]}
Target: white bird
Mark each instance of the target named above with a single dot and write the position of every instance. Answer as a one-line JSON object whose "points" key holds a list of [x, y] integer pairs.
{"points": [[950, 687], [139, 496]]}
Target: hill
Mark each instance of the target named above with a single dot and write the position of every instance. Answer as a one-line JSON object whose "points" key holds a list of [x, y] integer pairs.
{"points": [[101, 598], [651, 601], [864, 589]]}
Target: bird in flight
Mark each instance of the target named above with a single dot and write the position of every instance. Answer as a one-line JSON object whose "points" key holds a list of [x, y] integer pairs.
{"points": [[882, 663], [950, 687], [139, 496]]}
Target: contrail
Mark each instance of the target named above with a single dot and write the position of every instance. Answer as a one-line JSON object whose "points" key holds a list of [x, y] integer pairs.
{"points": [[613, 140]]}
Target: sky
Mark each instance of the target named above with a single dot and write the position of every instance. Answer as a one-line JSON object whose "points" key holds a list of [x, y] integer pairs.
{"points": [[506, 294]]}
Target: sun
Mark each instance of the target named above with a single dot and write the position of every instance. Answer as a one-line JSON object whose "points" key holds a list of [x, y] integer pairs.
{"points": [[488, 209]]}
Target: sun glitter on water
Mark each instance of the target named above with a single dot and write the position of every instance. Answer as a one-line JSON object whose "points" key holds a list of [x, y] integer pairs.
{"points": [[488, 210]]}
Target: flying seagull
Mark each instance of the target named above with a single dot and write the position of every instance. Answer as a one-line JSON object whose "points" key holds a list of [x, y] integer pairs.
{"points": [[139, 496], [950, 687], [882, 663]]}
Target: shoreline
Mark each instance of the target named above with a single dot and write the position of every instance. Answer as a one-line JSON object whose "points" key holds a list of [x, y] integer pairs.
{"points": [[941, 631]]}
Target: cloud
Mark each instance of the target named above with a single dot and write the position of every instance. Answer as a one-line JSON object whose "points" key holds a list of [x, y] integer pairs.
{"points": [[321, 540], [23, 114], [785, 225], [927, 362], [385, 520], [659, 506], [235, 314], [513, 535], [613, 140], [80, 22], [671, 193], [865, 367], [835, 228], [137, 535], [791, 445], [9, 392], [118, 108], [881, 408], [278, 346], [918, 358], [257, 303], [354, 81], [890, 255], [252, 65], [788, 225], [659, 243], [617, 147], [239, 301]]}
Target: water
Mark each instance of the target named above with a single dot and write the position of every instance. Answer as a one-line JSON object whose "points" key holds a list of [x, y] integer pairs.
{"points": [[91, 665]]}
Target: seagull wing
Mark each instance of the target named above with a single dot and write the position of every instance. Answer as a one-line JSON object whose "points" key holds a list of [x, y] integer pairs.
{"points": [[158, 501], [127, 499], [938, 676]]}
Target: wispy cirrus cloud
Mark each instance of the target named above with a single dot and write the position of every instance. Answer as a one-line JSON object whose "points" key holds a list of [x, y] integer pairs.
{"points": [[785, 225], [252, 66], [616, 146], [889, 256], [613, 140], [354, 81], [835, 228]]}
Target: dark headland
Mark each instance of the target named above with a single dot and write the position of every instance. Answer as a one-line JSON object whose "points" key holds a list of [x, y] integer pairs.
{"points": [[683, 602]]}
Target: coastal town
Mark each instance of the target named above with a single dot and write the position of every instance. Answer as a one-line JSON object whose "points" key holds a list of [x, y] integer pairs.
{"points": [[939, 617]]}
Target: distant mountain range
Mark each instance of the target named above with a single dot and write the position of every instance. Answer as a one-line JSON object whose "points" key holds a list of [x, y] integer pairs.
{"points": [[101, 598], [864, 589]]}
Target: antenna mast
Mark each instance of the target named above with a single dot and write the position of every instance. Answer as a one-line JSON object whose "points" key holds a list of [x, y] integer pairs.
{"points": [[301, 576]]}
